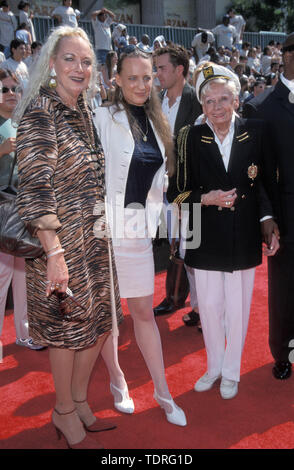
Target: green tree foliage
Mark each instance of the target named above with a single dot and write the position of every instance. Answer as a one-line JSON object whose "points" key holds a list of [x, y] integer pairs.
{"points": [[269, 15]]}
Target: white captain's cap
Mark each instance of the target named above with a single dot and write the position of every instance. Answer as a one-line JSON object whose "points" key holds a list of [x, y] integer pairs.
{"points": [[211, 71]]}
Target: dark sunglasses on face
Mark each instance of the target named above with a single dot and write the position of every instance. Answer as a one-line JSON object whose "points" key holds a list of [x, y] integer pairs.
{"points": [[6, 89]]}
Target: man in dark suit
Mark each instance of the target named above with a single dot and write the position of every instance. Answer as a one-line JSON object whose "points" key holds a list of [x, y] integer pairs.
{"points": [[276, 107], [181, 106]]}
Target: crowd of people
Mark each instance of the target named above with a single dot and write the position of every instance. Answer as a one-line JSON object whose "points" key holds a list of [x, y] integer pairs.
{"points": [[110, 135]]}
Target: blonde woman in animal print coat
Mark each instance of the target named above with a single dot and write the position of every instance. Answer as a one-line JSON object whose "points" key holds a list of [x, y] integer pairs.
{"points": [[61, 181]]}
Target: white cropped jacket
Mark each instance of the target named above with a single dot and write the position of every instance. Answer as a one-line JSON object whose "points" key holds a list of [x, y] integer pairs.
{"points": [[118, 146]]}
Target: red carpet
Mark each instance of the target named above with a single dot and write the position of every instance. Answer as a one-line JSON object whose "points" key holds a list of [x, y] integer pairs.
{"points": [[260, 417]]}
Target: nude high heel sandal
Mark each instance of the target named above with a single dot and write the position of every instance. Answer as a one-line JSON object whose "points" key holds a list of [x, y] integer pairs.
{"points": [[126, 404], [86, 443], [176, 416], [98, 425]]}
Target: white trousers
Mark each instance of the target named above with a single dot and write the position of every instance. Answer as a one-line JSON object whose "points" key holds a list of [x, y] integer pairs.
{"points": [[192, 285], [12, 269], [189, 270], [224, 301]]}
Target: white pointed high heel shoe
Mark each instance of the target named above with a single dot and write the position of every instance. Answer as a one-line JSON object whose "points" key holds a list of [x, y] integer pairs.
{"points": [[126, 404], [176, 416]]}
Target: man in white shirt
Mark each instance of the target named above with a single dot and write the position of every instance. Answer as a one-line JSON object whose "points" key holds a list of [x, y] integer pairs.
{"points": [[202, 42], [181, 107], [8, 25], [15, 63], [65, 14], [101, 22], [239, 23], [225, 33]]}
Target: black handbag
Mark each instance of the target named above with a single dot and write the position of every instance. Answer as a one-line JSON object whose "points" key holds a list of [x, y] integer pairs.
{"points": [[177, 283], [15, 239]]}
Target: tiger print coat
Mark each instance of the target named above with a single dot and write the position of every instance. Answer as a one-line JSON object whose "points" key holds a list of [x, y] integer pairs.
{"points": [[61, 180]]}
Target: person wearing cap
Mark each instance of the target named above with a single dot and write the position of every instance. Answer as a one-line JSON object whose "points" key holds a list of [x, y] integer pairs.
{"points": [[159, 42], [225, 33], [276, 107], [202, 42], [221, 165], [119, 31], [101, 22]]}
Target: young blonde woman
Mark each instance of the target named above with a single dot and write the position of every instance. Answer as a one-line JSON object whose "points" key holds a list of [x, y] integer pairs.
{"points": [[138, 148]]}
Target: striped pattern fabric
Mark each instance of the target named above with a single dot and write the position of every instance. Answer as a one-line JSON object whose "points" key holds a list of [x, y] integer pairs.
{"points": [[60, 183]]}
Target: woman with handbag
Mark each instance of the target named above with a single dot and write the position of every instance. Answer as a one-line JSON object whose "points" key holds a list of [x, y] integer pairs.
{"points": [[136, 138], [73, 298], [12, 269]]}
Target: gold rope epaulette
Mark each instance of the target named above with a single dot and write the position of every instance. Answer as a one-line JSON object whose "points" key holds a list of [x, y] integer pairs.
{"points": [[182, 197], [182, 156]]}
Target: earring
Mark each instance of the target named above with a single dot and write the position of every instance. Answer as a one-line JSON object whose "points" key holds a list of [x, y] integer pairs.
{"points": [[120, 94], [52, 81]]}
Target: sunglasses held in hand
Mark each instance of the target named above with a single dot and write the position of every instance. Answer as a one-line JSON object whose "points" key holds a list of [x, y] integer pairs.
{"points": [[67, 302]]}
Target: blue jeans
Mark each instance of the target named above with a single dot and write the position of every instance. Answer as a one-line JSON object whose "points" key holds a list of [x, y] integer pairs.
{"points": [[6, 51], [101, 55]]}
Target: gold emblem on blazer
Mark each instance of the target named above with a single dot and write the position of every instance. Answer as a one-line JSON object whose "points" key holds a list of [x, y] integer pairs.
{"points": [[252, 172]]}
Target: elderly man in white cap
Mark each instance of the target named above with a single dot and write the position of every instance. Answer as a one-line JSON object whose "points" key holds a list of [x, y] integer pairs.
{"points": [[222, 165]]}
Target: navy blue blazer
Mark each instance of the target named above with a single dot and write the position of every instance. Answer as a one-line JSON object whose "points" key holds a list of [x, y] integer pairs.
{"points": [[230, 239]]}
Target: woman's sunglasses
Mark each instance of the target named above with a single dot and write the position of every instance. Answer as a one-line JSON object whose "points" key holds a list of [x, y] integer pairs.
{"points": [[14, 89], [66, 304]]}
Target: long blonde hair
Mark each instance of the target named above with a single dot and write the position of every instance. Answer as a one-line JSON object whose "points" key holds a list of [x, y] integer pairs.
{"points": [[41, 71], [152, 108]]}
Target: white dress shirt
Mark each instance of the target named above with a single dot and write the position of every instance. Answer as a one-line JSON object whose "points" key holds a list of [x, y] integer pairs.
{"points": [[288, 83], [225, 146], [171, 112]]}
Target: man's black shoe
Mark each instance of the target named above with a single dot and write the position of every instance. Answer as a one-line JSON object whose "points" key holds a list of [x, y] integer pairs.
{"points": [[164, 307], [282, 370]]}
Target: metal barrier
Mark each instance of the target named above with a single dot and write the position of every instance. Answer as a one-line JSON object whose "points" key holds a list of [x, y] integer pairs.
{"points": [[184, 36], [43, 26], [263, 38]]}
